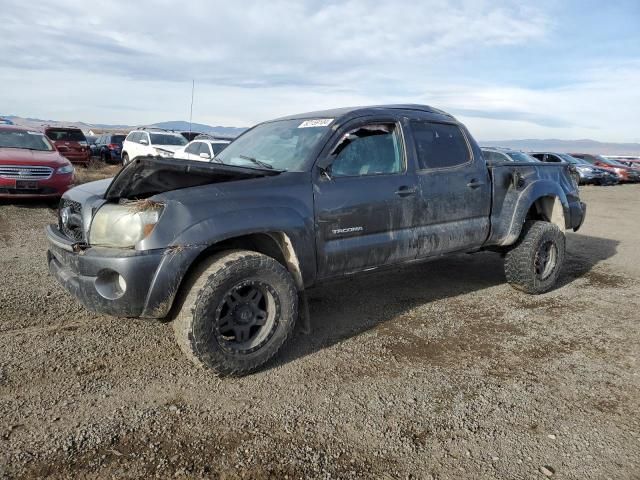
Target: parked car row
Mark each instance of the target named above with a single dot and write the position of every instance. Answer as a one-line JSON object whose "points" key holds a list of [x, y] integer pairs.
{"points": [[587, 168], [34, 163], [150, 141], [171, 144]]}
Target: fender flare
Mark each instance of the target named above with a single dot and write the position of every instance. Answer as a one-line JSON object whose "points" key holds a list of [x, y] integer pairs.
{"points": [[550, 202], [192, 244]]}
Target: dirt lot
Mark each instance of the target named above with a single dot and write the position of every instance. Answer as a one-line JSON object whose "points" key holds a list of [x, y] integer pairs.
{"points": [[436, 371]]}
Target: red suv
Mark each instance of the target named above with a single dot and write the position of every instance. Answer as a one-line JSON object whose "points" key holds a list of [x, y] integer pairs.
{"points": [[71, 143], [30, 166]]}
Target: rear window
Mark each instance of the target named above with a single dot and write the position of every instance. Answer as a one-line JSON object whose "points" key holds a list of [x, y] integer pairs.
{"points": [[117, 138], [65, 135], [439, 145], [25, 140], [167, 139]]}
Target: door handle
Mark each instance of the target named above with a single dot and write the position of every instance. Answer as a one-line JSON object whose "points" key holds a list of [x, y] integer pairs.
{"points": [[475, 183], [405, 191]]}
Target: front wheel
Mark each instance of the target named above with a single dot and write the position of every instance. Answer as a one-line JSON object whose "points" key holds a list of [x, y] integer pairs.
{"points": [[239, 310], [533, 264]]}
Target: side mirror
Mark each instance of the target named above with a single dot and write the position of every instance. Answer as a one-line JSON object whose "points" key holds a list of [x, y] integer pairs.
{"points": [[144, 141], [325, 170], [206, 156]]}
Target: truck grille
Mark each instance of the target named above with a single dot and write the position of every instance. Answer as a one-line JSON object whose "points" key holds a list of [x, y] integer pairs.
{"points": [[25, 172], [73, 227]]}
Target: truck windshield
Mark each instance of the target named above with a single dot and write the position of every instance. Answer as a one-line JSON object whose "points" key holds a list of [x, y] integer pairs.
{"points": [[283, 145]]}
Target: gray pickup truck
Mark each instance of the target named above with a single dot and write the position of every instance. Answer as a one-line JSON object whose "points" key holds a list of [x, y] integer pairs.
{"points": [[227, 249]]}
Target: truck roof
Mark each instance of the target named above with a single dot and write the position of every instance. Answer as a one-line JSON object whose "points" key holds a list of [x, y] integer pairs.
{"points": [[346, 113]]}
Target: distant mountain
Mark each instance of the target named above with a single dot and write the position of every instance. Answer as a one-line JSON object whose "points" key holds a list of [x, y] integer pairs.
{"points": [[171, 125], [200, 127], [567, 146]]}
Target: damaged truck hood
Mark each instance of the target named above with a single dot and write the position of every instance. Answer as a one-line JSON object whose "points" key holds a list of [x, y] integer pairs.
{"points": [[146, 177]]}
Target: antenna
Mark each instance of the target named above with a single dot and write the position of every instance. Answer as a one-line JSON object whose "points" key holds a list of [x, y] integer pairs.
{"points": [[193, 87]]}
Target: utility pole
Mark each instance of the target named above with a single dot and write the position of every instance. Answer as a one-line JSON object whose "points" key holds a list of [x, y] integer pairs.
{"points": [[193, 87]]}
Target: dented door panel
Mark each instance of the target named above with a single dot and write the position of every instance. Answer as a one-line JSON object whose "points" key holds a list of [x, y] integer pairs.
{"points": [[363, 223]]}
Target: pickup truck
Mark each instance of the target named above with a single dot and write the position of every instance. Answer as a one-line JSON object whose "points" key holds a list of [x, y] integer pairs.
{"points": [[227, 249]]}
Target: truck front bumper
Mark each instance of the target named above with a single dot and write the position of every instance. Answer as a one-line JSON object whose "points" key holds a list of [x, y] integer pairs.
{"points": [[119, 282]]}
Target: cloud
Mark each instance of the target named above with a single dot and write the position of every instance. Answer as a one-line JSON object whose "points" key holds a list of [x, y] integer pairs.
{"points": [[258, 44], [132, 62]]}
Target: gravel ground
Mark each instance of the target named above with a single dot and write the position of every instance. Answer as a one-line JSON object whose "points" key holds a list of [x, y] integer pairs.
{"points": [[440, 370]]}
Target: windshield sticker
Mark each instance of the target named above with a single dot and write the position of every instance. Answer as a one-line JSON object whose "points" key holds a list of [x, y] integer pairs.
{"points": [[318, 122]]}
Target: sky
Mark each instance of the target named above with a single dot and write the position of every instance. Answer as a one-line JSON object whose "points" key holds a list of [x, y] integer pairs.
{"points": [[566, 69]]}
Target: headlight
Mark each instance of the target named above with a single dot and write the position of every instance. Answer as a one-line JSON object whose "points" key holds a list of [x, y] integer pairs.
{"points": [[123, 226], [164, 153], [65, 170]]}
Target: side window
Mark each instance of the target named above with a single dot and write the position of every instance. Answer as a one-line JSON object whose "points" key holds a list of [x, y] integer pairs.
{"points": [[439, 145], [144, 136], [490, 156], [553, 158], [193, 148], [135, 137], [204, 148], [369, 150]]}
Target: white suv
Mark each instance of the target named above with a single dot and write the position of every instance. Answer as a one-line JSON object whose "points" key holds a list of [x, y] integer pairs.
{"points": [[139, 143], [202, 149]]}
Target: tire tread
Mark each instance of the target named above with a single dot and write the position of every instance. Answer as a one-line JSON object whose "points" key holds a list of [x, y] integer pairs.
{"points": [[208, 274]]}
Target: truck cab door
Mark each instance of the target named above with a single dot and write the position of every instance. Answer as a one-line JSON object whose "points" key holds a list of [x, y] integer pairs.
{"points": [[455, 189], [365, 199]]}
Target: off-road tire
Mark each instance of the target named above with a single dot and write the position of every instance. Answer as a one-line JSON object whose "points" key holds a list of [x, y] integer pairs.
{"points": [[194, 324], [520, 260]]}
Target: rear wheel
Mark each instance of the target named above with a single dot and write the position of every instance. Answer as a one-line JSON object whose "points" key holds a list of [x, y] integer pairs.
{"points": [[239, 310], [125, 159], [534, 263]]}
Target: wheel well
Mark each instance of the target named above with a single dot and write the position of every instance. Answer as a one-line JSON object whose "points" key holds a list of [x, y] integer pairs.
{"points": [[548, 209], [276, 245]]}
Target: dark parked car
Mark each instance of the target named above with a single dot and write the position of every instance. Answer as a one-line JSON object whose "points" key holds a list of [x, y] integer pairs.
{"points": [[109, 147], [625, 174], [496, 155], [30, 166], [588, 174], [91, 141], [190, 135], [295, 202], [71, 143]]}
